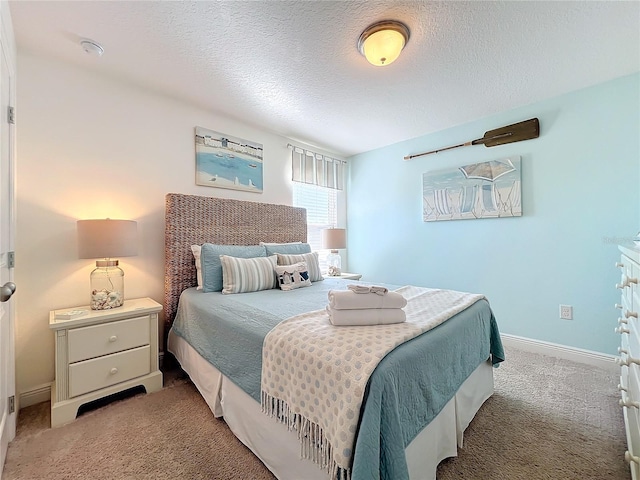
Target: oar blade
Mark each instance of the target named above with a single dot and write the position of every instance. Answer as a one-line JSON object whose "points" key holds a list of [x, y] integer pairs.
{"points": [[527, 130]]}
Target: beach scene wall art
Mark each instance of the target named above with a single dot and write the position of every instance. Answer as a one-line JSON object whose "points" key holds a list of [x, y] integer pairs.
{"points": [[224, 161], [480, 190]]}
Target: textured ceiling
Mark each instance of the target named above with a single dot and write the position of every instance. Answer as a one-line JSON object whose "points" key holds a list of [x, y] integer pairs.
{"points": [[293, 68]]}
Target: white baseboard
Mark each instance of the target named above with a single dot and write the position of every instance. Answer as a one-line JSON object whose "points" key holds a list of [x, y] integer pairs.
{"points": [[36, 395], [596, 359], [43, 393]]}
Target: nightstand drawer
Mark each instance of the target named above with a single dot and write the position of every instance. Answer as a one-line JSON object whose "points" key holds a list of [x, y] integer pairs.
{"points": [[97, 340], [102, 372]]}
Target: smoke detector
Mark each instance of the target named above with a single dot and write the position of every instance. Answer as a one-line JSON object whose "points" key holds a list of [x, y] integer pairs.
{"points": [[92, 48]]}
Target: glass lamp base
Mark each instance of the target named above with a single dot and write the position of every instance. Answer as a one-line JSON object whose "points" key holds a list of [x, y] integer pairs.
{"points": [[107, 285], [335, 264]]}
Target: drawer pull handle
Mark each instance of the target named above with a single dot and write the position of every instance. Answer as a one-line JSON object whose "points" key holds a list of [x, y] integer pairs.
{"points": [[113, 371], [622, 320], [113, 338], [629, 314], [626, 281], [622, 389], [621, 330], [629, 403], [619, 265], [617, 305], [631, 458], [628, 361], [622, 350]]}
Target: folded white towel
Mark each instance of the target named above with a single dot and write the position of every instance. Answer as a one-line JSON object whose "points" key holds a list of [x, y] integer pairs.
{"points": [[349, 300], [378, 290], [368, 289], [359, 288], [366, 316]]}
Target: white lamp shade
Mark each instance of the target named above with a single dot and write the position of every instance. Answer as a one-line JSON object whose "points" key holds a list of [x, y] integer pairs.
{"points": [[107, 238], [334, 238]]}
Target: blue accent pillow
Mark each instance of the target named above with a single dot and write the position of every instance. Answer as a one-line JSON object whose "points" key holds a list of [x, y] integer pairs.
{"points": [[212, 267], [287, 248]]}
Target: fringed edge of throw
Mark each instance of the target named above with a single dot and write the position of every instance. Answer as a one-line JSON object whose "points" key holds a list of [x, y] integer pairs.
{"points": [[314, 445]]}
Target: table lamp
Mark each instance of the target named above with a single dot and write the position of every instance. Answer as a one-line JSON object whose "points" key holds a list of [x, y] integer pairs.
{"points": [[106, 239], [334, 238]]}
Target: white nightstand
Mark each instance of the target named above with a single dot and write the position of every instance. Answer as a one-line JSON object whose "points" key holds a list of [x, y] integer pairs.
{"points": [[103, 352], [345, 276]]}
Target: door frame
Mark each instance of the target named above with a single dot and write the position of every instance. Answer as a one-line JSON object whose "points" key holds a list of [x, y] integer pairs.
{"points": [[8, 51]]}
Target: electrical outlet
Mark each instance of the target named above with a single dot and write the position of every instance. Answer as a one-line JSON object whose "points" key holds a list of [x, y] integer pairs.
{"points": [[566, 312]]}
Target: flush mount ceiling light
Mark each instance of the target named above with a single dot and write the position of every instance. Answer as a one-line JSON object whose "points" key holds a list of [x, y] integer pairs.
{"points": [[92, 48], [382, 42]]}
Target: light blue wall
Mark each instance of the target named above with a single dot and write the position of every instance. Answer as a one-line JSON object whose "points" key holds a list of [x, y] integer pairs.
{"points": [[579, 195]]}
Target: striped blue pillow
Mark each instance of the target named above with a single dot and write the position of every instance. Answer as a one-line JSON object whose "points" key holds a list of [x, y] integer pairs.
{"points": [[210, 259], [311, 259], [243, 275]]}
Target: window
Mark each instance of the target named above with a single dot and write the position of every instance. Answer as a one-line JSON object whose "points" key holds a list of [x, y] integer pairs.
{"points": [[322, 212], [317, 178]]}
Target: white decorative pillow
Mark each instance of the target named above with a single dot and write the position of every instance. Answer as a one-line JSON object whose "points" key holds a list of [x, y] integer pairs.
{"points": [[196, 255], [311, 259], [294, 276], [243, 275]]}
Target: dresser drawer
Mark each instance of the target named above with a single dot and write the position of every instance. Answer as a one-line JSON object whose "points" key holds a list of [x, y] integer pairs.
{"points": [[626, 272], [632, 421], [634, 274], [97, 340], [631, 340], [104, 371], [633, 388], [631, 426]]}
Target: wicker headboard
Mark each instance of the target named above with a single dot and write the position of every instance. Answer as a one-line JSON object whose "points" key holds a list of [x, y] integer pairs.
{"points": [[194, 220]]}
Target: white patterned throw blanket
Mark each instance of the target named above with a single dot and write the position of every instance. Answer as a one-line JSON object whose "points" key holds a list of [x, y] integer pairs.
{"points": [[314, 374]]}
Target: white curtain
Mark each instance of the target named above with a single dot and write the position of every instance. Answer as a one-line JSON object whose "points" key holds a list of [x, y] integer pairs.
{"points": [[316, 169]]}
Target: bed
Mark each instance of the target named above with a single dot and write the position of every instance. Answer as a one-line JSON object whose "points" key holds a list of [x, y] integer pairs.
{"points": [[393, 439]]}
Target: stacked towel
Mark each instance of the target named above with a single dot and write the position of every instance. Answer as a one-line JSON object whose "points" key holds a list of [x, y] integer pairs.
{"points": [[349, 300], [366, 289], [366, 316], [365, 305]]}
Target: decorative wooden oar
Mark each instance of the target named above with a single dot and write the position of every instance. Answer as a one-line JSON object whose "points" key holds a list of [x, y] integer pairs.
{"points": [[517, 132]]}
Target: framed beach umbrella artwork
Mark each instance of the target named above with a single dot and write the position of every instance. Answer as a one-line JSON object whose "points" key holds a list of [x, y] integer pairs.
{"points": [[479, 190], [224, 161]]}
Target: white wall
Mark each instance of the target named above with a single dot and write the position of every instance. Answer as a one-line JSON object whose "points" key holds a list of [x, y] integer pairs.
{"points": [[92, 147]]}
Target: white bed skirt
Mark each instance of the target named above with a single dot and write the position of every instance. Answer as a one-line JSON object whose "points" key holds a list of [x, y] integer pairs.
{"points": [[279, 449]]}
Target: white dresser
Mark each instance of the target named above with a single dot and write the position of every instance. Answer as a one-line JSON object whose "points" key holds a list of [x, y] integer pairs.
{"points": [[629, 361], [101, 352]]}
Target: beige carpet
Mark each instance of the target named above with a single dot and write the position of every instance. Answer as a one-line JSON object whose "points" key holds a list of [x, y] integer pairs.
{"points": [[549, 419]]}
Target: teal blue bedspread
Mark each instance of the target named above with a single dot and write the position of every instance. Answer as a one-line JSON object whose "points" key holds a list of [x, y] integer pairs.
{"points": [[406, 391]]}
